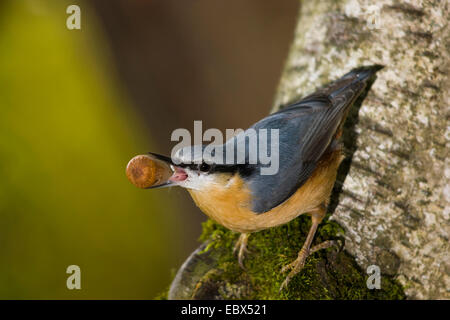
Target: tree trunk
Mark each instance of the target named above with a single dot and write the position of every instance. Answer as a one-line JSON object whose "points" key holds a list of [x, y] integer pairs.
{"points": [[392, 193]]}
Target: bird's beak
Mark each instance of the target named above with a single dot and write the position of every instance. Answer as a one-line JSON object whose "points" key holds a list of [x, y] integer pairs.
{"points": [[179, 174], [154, 171]]}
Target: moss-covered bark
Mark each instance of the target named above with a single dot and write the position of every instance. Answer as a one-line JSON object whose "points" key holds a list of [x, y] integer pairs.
{"points": [[390, 194], [328, 274]]}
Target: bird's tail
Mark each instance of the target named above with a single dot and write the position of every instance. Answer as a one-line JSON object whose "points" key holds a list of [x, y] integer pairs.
{"points": [[348, 88], [353, 83]]}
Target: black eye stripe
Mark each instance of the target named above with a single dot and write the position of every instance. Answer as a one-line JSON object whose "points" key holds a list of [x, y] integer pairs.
{"points": [[204, 167], [241, 168]]}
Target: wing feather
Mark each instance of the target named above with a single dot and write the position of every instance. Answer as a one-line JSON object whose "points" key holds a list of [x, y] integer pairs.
{"points": [[306, 130]]}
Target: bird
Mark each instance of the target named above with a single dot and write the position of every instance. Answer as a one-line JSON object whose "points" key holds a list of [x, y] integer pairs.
{"points": [[238, 196]]}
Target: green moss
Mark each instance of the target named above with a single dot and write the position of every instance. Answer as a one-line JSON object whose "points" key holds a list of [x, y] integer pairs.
{"points": [[163, 295], [328, 274]]}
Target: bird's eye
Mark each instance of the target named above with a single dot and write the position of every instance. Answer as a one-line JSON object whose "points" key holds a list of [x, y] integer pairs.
{"points": [[204, 167]]}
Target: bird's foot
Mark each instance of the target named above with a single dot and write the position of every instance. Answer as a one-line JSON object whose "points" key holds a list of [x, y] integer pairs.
{"points": [[241, 248], [326, 244], [297, 265]]}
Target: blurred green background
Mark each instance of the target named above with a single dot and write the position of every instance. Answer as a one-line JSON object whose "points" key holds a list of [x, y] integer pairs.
{"points": [[76, 105]]}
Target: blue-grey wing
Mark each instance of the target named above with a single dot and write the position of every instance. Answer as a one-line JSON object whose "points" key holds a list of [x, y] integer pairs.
{"points": [[306, 129]]}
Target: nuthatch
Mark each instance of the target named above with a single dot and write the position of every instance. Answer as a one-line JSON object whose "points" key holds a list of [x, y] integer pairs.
{"points": [[242, 199]]}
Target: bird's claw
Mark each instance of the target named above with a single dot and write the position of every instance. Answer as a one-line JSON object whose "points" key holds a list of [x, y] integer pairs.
{"points": [[241, 248], [285, 283], [238, 247], [295, 267], [288, 267], [241, 257], [327, 244]]}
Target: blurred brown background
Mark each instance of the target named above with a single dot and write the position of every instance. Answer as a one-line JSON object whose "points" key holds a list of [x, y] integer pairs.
{"points": [[211, 60], [77, 105]]}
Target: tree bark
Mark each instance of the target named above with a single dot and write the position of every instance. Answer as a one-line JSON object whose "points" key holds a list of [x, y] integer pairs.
{"points": [[392, 192]]}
